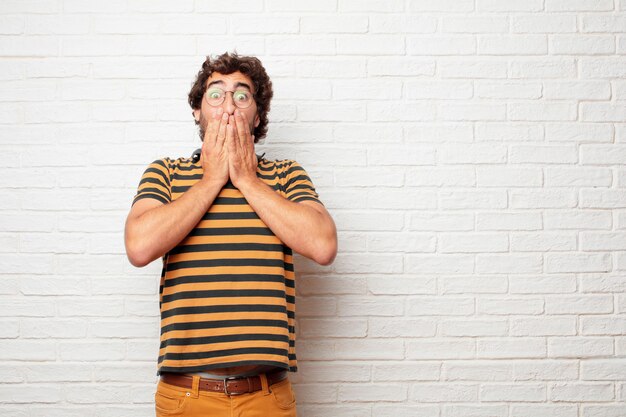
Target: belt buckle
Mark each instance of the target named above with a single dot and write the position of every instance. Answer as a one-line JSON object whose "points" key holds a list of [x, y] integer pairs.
{"points": [[230, 378]]}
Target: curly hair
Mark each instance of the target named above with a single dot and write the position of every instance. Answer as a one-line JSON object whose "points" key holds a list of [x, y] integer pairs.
{"points": [[227, 64]]}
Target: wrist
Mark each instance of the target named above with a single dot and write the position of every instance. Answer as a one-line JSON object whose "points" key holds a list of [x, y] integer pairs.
{"points": [[208, 189], [248, 183]]}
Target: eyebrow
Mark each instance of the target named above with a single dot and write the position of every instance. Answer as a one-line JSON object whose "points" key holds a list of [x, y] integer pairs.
{"points": [[237, 84]]}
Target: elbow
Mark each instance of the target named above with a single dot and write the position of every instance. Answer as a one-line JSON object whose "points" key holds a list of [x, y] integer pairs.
{"points": [[137, 260], [136, 255], [328, 250]]}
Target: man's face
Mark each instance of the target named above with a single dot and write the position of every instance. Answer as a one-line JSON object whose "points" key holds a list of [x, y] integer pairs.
{"points": [[227, 82]]}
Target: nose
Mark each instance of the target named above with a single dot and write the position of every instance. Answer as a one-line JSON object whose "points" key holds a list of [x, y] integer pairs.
{"points": [[229, 105]]}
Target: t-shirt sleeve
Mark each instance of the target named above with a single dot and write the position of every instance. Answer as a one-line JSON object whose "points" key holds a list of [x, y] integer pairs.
{"points": [[155, 182], [298, 185]]}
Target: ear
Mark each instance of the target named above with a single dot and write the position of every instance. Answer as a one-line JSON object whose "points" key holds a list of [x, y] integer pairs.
{"points": [[196, 115], [257, 120]]}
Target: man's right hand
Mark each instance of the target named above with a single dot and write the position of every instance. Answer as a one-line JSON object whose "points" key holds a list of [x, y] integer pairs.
{"points": [[214, 155]]}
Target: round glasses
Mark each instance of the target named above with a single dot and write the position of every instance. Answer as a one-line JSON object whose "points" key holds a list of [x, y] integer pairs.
{"points": [[241, 98]]}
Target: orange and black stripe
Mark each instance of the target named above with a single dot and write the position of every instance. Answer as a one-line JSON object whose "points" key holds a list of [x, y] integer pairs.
{"points": [[227, 291]]}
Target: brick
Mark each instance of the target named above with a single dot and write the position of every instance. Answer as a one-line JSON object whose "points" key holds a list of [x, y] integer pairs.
{"points": [[517, 392], [427, 393], [379, 327], [401, 23], [578, 5], [512, 45], [320, 328], [543, 23], [580, 392], [440, 348], [332, 24], [518, 348], [334, 372], [469, 242], [580, 44], [439, 264], [474, 24], [566, 132], [259, 24], [519, 90], [332, 68], [544, 68], [371, 6], [508, 263], [23, 350], [388, 66], [372, 263], [543, 326], [406, 371], [371, 45], [473, 328], [287, 45], [510, 306], [475, 284], [372, 392], [56, 25], [441, 45], [508, 221], [472, 69], [473, 199], [371, 306], [393, 242], [600, 326], [603, 370], [455, 6], [443, 176], [381, 285], [543, 242], [18, 394]]}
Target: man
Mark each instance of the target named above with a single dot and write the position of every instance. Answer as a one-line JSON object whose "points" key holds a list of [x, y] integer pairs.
{"points": [[225, 223]]}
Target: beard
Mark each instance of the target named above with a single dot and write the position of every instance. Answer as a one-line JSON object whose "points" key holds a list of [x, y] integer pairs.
{"points": [[202, 124]]}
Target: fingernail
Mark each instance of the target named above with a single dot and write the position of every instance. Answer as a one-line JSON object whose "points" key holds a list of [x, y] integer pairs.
{"points": [[225, 116]]}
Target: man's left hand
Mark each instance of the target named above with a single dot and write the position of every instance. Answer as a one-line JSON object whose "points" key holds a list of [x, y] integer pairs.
{"points": [[242, 161]]}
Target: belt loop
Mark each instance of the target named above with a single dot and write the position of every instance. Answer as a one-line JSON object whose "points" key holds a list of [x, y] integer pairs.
{"points": [[265, 386], [195, 386]]}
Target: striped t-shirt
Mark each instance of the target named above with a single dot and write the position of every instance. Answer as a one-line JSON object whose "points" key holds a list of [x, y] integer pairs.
{"points": [[227, 291]]}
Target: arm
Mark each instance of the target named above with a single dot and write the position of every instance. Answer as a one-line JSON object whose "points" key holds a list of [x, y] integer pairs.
{"points": [[154, 228], [306, 227]]}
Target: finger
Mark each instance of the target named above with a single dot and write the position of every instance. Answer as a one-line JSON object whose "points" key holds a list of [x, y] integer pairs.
{"points": [[230, 139], [242, 130], [221, 133], [214, 124]]}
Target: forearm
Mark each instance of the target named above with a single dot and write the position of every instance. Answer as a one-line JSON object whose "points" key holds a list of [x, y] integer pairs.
{"points": [[301, 227], [153, 233]]}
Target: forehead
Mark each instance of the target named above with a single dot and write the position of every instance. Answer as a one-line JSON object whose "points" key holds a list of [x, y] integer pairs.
{"points": [[230, 80]]}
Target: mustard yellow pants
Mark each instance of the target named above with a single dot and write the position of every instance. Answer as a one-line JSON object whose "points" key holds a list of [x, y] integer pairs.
{"points": [[277, 400]]}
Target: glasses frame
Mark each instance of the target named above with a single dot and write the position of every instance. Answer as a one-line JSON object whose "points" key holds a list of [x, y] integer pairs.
{"points": [[224, 98]]}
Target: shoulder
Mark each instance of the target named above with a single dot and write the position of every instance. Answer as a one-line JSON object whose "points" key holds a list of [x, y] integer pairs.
{"points": [[171, 163]]}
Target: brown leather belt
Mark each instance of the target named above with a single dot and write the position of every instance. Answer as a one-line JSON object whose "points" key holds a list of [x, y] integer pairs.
{"points": [[228, 385]]}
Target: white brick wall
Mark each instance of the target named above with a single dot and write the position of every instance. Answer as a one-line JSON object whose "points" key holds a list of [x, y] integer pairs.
{"points": [[472, 153]]}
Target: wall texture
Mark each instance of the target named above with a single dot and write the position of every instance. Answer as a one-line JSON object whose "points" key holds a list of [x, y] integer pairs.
{"points": [[471, 152]]}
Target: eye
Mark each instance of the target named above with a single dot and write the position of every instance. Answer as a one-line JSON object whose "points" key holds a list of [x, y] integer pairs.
{"points": [[215, 93], [241, 96]]}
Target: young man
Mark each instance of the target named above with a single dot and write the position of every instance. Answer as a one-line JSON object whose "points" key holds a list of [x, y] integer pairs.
{"points": [[225, 222]]}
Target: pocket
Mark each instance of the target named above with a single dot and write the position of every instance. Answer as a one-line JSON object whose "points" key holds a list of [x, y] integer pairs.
{"points": [[169, 402], [283, 394]]}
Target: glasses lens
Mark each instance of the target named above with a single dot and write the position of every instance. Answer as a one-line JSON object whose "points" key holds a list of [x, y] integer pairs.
{"points": [[242, 98], [215, 96]]}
